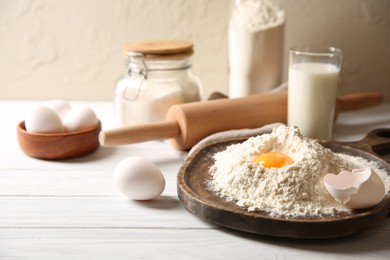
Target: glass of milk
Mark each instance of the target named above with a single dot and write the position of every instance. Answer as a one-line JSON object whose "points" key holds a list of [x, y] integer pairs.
{"points": [[312, 89]]}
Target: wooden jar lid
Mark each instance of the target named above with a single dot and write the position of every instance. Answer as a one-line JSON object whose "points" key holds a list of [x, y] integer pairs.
{"points": [[161, 49]]}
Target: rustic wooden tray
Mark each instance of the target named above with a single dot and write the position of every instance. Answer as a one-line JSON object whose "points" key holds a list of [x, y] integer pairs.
{"points": [[199, 200]]}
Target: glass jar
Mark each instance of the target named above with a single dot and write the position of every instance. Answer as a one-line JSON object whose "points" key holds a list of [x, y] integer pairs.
{"points": [[158, 76]]}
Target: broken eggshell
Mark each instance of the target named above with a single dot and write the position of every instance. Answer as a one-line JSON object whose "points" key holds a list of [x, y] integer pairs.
{"points": [[361, 188]]}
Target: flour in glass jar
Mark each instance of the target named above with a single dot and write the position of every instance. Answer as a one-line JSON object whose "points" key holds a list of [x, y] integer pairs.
{"points": [[291, 191], [256, 40]]}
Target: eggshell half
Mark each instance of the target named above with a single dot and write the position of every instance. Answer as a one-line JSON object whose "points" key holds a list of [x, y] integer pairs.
{"points": [[361, 188]]}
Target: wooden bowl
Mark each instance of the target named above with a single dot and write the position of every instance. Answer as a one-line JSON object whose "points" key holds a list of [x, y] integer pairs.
{"points": [[57, 146]]}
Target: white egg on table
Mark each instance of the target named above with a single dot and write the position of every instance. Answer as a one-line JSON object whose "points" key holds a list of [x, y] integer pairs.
{"points": [[138, 179], [79, 118], [42, 119], [61, 107]]}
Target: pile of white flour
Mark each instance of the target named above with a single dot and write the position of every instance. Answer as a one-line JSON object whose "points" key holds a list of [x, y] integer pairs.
{"points": [[294, 190]]}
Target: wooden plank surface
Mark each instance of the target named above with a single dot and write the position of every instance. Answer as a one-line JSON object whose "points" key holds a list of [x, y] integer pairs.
{"points": [[71, 210], [95, 211], [111, 243]]}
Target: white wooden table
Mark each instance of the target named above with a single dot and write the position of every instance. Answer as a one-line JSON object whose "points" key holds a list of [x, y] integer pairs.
{"points": [[71, 210]]}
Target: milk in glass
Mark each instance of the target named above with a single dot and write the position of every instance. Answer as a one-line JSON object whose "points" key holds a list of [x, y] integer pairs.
{"points": [[312, 97]]}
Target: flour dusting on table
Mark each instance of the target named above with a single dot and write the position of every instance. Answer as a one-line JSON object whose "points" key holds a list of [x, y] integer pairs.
{"points": [[293, 190]]}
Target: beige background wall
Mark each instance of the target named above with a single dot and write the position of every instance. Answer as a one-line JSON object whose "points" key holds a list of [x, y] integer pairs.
{"points": [[72, 49]]}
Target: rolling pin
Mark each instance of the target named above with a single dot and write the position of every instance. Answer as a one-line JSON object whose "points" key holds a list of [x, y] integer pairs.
{"points": [[187, 124]]}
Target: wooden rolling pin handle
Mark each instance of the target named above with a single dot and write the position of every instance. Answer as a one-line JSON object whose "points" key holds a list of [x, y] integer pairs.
{"points": [[140, 133], [359, 101], [187, 124]]}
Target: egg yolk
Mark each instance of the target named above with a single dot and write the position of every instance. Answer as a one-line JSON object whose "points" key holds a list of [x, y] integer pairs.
{"points": [[273, 160]]}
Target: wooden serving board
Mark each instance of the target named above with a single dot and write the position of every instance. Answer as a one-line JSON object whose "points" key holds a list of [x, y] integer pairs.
{"points": [[199, 200]]}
